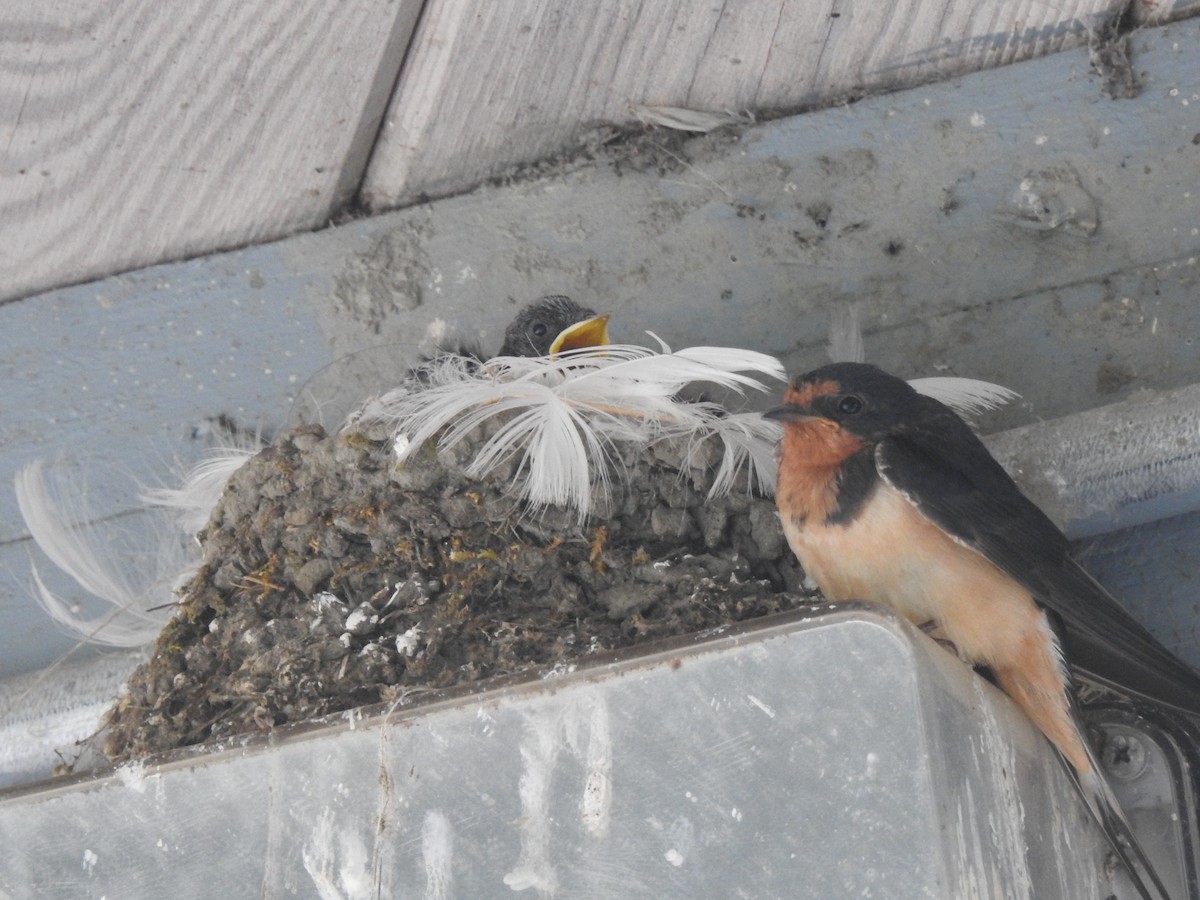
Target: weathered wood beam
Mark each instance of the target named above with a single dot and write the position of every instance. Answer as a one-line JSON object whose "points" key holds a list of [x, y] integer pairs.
{"points": [[136, 131], [486, 87]]}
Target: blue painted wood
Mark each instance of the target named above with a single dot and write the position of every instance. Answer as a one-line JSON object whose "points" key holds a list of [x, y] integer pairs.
{"points": [[1152, 570]]}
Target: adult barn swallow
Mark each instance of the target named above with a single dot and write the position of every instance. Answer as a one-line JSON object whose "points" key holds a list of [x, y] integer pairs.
{"points": [[553, 324], [888, 496]]}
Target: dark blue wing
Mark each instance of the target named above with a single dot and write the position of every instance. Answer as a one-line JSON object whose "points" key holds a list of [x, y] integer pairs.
{"points": [[947, 472]]}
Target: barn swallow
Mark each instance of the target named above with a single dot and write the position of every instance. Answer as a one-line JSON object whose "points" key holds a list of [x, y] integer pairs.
{"points": [[553, 324], [888, 496]]}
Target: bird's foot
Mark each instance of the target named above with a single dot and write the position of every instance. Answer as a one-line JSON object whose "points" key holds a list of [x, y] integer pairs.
{"points": [[934, 630]]}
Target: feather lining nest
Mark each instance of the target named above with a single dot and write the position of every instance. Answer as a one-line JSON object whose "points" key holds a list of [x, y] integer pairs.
{"points": [[135, 571], [563, 416], [64, 528]]}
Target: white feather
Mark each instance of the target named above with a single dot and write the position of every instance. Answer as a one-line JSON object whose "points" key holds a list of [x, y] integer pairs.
{"points": [[566, 413], [74, 543], [374, 408], [695, 120], [749, 440], [138, 584], [966, 396], [193, 501], [845, 335]]}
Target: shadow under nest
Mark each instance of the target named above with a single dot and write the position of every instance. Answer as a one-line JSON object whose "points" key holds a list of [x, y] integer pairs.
{"points": [[334, 577]]}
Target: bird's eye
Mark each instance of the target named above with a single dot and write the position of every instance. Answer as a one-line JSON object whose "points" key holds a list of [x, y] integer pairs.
{"points": [[850, 405], [539, 328]]}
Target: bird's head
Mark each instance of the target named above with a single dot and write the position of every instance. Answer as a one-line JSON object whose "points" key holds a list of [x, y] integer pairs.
{"points": [[856, 400], [552, 325]]}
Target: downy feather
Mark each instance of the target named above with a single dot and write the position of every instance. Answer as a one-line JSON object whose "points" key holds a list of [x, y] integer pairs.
{"points": [[193, 501], [845, 335], [140, 589], [966, 396], [568, 411], [67, 534]]}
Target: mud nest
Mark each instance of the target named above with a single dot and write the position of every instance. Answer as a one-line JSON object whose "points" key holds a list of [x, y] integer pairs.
{"points": [[334, 578]]}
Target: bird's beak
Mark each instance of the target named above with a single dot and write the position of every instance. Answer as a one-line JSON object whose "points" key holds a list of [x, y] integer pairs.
{"points": [[588, 333], [789, 413]]}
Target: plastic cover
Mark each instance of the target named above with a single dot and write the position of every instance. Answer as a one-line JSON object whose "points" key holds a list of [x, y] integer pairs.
{"points": [[841, 755]]}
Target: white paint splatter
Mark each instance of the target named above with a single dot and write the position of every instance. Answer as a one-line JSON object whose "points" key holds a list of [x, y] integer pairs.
{"points": [[406, 644], [539, 748], [547, 734], [971, 864], [437, 850], [343, 875], [360, 620], [1006, 813], [596, 806], [756, 702], [317, 856], [681, 837], [978, 120], [89, 861], [435, 280], [559, 669], [133, 776], [487, 723], [355, 874], [872, 765], [435, 332]]}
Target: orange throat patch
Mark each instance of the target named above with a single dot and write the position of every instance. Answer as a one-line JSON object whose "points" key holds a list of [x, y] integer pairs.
{"points": [[810, 454]]}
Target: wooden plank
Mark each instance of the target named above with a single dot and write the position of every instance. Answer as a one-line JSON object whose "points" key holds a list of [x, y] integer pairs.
{"points": [[138, 131], [489, 86]]}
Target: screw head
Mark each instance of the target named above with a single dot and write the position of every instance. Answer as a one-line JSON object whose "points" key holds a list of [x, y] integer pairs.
{"points": [[1124, 756]]}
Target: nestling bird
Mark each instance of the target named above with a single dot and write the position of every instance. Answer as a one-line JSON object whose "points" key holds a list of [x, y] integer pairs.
{"points": [[887, 496], [553, 324]]}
